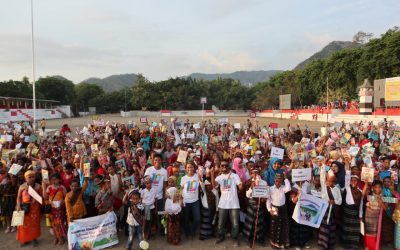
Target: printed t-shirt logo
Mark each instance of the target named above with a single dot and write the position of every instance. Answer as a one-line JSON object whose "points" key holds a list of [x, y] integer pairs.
{"points": [[191, 186], [227, 184], [156, 179]]}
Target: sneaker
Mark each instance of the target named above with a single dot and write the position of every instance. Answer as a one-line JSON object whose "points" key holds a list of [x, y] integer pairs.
{"points": [[236, 243], [307, 246], [8, 230], [13, 229]]}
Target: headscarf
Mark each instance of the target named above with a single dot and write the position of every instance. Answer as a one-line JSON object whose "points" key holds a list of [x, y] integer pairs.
{"points": [[241, 171], [29, 173], [269, 175], [341, 174]]}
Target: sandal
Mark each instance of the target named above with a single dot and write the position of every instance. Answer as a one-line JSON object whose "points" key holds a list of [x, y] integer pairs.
{"points": [[55, 242], [61, 242]]}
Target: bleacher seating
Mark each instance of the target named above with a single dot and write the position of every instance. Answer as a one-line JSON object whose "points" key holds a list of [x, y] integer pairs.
{"points": [[7, 115]]}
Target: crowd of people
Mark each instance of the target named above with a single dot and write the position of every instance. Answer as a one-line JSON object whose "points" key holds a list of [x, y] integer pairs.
{"points": [[178, 178]]}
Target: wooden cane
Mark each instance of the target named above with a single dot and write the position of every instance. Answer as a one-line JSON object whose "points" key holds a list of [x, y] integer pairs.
{"points": [[255, 225]]}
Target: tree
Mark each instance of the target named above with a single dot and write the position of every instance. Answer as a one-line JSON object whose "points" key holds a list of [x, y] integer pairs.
{"points": [[85, 94], [56, 88], [362, 37]]}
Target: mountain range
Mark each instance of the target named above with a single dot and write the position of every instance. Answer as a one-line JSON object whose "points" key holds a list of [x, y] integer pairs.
{"points": [[118, 82]]}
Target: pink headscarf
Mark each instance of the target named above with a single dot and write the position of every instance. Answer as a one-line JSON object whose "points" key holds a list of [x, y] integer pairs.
{"points": [[241, 171]]}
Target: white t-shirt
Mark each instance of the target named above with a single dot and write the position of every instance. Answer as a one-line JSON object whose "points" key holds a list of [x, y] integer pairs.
{"points": [[190, 187], [228, 186], [148, 197], [158, 178]]}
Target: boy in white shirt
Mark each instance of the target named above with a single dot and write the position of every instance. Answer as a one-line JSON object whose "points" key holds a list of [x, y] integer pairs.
{"points": [[148, 195], [276, 206]]}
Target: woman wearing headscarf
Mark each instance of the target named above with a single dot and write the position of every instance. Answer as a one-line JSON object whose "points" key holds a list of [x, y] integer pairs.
{"points": [[274, 168], [340, 173], [30, 230]]}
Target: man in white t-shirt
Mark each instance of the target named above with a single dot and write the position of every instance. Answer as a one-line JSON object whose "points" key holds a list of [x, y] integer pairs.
{"points": [[228, 183], [159, 177]]}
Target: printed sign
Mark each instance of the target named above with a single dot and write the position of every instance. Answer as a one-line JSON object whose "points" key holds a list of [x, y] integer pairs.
{"points": [[310, 210], [277, 152], [260, 191], [182, 156], [367, 174], [301, 174], [96, 232], [143, 119]]}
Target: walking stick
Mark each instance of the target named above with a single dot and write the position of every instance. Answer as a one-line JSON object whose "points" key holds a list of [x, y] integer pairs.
{"points": [[329, 213], [255, 225]]}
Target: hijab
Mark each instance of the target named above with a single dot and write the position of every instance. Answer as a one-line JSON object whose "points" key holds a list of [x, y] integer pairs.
{"points": [[269, 175], [241, 171]]}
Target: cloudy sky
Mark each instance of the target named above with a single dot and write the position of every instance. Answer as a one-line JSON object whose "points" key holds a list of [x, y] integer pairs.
{"points": [[84, 38]]}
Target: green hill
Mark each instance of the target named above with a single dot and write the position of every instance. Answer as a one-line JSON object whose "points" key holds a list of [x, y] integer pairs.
{"points": [[113, 82], [328, 50]]}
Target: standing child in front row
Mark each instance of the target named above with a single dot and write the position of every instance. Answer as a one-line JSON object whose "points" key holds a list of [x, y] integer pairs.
{"points": [[135, 216], [173, 207], [148, 195]]}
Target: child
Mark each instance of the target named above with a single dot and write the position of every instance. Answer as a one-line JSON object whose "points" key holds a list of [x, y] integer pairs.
{"points": [[331, 193], [374, 207], [103, 200], [148, 195], [135, 216], [8, 197], [74, 202], [56, 195], [276, 206], [173, 209]]}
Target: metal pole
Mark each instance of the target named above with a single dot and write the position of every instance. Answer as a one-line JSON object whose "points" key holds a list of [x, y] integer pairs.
{"points": [[125, 99], [33, 70], [280, 104], [327, 101], [202, 111]]}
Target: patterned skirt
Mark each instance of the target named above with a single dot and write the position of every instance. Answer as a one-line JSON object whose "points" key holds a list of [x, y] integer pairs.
{"points": [[206, 224], [351, 227], [280, 228], [250, 222], [299, 234], [327, 231], [174, 229], [59, 222]]}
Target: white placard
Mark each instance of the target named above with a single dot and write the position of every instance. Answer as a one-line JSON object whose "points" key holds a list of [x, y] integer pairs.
{"points": [[310, 210], [182, 156], [277, 152], [236, 125], [301, 174], [260, 191], [35, 195]]}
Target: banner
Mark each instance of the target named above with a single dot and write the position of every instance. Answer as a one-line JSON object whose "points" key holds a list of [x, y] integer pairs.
{"points": [[392, 89], [310, 210], [93, 233]]}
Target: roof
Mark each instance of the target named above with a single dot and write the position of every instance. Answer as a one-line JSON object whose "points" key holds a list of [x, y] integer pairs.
{"points": [[25, 99], [366, 84]]}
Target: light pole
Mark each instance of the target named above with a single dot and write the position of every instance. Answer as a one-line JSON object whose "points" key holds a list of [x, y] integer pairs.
{"points": [[33, 70]]}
